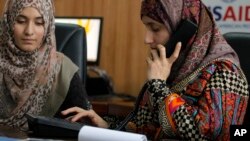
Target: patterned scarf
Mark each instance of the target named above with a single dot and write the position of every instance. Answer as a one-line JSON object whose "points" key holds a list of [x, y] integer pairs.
{"points": [[26, 78], [207, 45]]}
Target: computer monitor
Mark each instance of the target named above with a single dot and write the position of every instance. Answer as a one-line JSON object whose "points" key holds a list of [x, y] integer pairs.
{"points": [[93, 28]]}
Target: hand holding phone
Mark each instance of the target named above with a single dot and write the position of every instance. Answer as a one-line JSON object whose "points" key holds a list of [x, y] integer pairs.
{"points": [[183, 34]]}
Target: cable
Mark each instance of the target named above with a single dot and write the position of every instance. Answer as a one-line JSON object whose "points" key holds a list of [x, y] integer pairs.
{"points": [[133, 113]]}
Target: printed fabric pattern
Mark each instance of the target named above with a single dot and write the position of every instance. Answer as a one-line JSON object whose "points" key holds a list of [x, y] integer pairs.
{"points": [[213, 100]]}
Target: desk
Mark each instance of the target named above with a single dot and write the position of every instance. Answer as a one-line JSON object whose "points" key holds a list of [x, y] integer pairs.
{"points": [[109, 106], [115, 105], [13, 133]]}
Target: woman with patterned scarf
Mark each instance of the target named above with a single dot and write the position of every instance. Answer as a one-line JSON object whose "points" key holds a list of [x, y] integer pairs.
{"points": [[34, 78], [200, 90]]}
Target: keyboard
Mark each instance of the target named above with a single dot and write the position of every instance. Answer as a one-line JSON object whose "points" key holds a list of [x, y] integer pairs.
{"points": [[41, 126]]}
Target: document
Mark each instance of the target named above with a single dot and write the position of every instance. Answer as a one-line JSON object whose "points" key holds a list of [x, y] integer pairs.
{"points": [[2, 138], [89, 133]]}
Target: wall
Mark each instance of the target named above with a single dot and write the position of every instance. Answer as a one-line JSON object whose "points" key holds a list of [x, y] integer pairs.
{"points": [[123, 52]]}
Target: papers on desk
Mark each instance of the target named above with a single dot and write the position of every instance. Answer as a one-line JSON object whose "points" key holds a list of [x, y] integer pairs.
{"points": [[2, 138], [89, 133]]}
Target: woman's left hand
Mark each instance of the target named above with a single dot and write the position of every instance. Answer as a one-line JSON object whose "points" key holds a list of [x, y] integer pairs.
{"points": [[81, 114], [159, 66]]}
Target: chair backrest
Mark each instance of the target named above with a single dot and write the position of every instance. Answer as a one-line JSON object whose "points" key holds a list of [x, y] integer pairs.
{"points": [[241, 44], [71, 40]]}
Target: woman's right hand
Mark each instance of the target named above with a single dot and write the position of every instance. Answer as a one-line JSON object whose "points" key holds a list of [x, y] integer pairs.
{"points": [[81, 114], [159, 67]]}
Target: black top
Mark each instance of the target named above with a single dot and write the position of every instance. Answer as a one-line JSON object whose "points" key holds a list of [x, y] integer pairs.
{"points": [[76, 96]]}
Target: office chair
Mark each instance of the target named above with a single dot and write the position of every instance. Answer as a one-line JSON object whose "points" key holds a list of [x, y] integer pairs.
{"points": [[240, 42], [71, 41]]}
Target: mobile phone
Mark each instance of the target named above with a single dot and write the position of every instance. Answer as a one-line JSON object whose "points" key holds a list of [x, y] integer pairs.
{"points": [[183, 34]]}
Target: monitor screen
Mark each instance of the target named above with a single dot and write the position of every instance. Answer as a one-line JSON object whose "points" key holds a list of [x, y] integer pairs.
{"points": [[93, 28]]}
